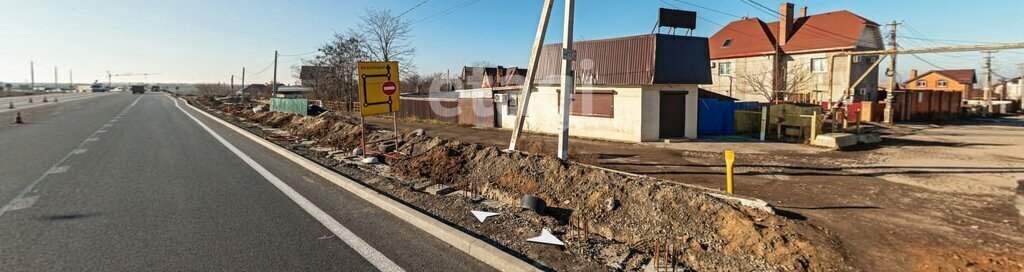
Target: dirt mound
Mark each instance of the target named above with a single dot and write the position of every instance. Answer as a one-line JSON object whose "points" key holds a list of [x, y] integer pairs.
{"points": [[713, 234], [709, 234]]}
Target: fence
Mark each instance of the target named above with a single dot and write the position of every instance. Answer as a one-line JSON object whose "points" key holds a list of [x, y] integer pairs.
{"points": [[446, 110]]}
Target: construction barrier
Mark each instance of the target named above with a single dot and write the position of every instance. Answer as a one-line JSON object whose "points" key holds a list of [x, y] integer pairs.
{"points": [[298, 106]]}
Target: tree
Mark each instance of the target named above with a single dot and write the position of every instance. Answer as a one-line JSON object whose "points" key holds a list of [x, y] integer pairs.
{"points": [[207, 89], [481, 63], [385, 36], [336, 79], [760, 82], [416, 83]]}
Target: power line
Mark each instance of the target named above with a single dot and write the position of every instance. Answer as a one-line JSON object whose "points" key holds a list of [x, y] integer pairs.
{"points": [[446, 11], [813, 29], [300, 54], [707, 8], [414, 7], [264, 68]]}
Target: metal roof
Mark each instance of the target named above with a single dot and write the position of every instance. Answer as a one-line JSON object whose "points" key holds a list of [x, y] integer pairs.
{"points": [[636, 60]]}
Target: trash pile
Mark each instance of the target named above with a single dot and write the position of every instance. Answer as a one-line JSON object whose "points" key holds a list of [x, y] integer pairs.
{"points": [[624, 219]]}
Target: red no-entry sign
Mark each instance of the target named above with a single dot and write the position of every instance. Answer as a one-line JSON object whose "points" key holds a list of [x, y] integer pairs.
{"points": [[389, 88]]}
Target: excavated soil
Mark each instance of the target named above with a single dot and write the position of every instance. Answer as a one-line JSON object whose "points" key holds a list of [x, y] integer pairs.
{"points": [[622, 218]]}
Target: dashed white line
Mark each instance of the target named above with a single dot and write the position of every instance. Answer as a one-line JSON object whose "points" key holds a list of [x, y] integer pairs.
{"points": [[31, 186], [368, 252]]}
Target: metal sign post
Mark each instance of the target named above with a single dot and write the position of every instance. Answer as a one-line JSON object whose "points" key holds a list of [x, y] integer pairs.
{"points": [[378, 94]]}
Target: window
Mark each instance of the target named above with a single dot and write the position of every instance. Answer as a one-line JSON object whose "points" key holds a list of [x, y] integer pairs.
{"points": [[594, 103], [819, 65], [512, 104], [725, 68], [727, 43], [941, 83], [922, 83]]}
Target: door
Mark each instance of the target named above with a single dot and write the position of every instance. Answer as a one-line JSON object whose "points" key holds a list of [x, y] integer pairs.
{"points": [[672, 119]]}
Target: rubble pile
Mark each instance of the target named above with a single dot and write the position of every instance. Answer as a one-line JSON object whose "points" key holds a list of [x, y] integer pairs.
{"points": [[635, 214]]}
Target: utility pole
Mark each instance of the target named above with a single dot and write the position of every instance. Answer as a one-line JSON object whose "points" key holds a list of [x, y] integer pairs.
{"points": [[71, 79], [988, 82], [232, 83], [243, 77], [890, 96], [568, 79], [56, 84], [274, 92], [32, 74], [524, 94]]}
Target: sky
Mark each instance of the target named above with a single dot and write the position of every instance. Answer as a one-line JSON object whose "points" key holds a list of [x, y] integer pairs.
{"points": [[193, 41]]}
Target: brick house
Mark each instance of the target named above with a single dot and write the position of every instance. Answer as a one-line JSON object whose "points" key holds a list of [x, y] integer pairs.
{"points": [[746, 53]]}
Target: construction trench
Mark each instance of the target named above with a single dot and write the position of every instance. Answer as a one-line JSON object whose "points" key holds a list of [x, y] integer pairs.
{"points": [[608, 220]]}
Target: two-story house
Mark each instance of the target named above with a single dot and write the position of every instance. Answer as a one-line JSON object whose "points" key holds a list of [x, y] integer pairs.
{"points": [[787, 60], [961, 80]]}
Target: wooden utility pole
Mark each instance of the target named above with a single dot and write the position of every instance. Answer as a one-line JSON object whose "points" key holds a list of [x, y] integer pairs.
{"points": [[890, 95], [988, 82], [538, 44], [274, 90], [568, 79]]}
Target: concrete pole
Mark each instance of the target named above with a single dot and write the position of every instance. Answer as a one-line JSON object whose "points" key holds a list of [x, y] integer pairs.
{"points": [[32, 74], [274, 90], [56, 83], [243, 77], [568, 79], [891, 94], [988, 83], [538, 44]]}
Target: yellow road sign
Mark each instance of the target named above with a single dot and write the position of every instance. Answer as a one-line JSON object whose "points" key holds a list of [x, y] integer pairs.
{"points": [[378, 87]]}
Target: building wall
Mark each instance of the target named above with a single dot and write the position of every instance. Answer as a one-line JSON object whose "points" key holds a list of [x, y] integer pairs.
{"points": [[651, 115], [635, 118], [932, 80], [814, 84]]}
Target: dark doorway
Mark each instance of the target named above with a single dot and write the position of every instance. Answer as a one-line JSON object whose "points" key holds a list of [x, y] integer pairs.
{"points": [[672, 119]]}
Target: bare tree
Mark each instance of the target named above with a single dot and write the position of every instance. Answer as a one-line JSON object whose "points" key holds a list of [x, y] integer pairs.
{"points": [[761, 83], [385, 35], [209, 89], [481, 63], [337, 61], [416, 83]]}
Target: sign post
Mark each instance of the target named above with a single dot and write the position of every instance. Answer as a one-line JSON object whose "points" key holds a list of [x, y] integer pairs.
{"points": [[378, 94]]}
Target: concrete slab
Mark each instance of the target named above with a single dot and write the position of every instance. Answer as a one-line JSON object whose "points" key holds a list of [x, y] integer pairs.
{"points": [[835, 140], [438, 189], [421, 186], [869, 138]]}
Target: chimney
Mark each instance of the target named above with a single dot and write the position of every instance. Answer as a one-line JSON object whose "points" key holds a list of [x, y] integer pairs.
{"points": [[913, 73], [785, 22], [803, 12]]}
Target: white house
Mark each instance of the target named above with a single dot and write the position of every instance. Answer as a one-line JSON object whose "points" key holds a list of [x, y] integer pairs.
{"points": [[631, 89]]}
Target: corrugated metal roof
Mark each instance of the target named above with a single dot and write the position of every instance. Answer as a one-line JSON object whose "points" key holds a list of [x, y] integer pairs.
{"points": [[635, 60]]}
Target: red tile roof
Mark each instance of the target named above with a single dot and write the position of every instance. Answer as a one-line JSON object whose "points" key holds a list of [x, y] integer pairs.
{"points": [[837, 30], [963, 76]]}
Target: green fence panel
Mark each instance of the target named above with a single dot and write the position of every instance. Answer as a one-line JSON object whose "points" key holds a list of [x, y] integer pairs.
{"points": [[298, 106]]}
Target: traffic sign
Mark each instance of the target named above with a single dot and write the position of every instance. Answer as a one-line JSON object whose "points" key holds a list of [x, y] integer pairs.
{"points": [[389, 88], [378, 93]]}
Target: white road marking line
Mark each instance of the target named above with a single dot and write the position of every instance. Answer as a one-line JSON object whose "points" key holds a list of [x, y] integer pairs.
{"points": [[101, 131], [368, 252], [59, 169], [22, 203], [31, 186], [79, 151], [93, 139]]}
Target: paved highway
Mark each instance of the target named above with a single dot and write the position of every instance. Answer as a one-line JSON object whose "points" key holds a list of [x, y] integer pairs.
{"points": [[122, 182]]}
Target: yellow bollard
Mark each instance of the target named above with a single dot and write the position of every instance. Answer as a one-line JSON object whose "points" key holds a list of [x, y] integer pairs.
{"points": [[730, 157]]}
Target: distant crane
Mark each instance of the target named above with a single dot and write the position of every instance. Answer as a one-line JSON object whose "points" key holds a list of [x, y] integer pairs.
{"points": [[111, 76]]}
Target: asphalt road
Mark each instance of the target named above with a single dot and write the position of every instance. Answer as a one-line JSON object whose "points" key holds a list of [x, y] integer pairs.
{"points": [[123, 182]]}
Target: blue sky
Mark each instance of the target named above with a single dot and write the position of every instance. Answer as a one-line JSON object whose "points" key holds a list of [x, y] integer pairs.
{"points": [[208, 41]]}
